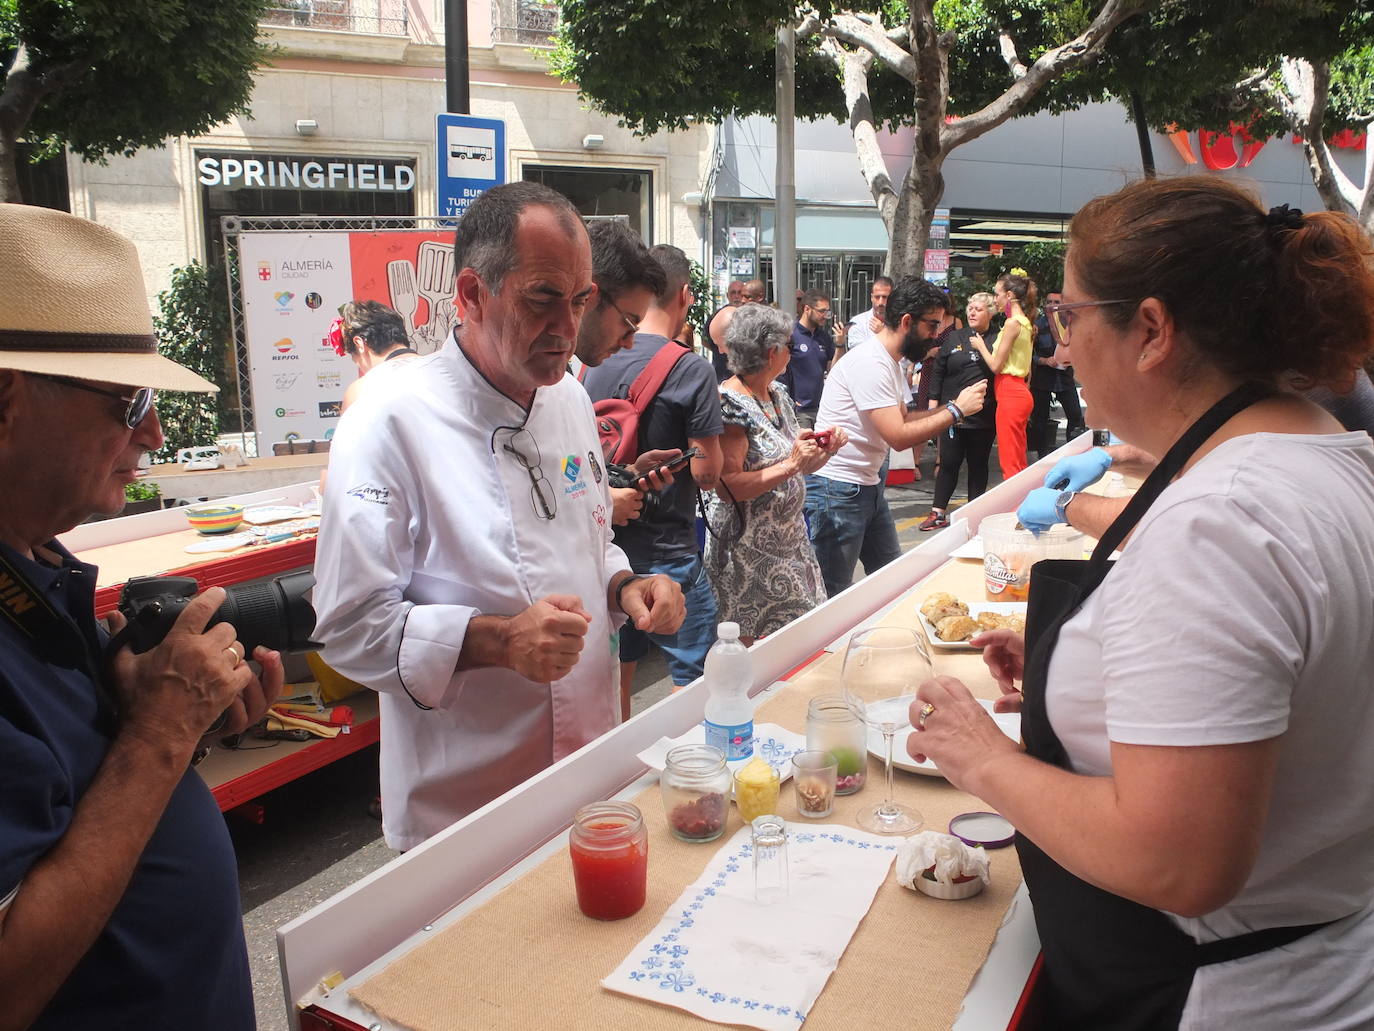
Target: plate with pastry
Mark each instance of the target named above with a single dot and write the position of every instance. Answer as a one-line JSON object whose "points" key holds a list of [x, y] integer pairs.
{"points": [[949, 622]]}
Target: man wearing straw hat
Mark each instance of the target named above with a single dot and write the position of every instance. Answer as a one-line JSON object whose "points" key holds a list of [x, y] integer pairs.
{"points": [[118, 891]]}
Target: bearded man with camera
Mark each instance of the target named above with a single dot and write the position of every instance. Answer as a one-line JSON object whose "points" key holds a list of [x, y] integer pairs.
{"points": [[119, 900]]}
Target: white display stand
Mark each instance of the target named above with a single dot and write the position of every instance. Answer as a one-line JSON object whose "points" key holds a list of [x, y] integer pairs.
{"points": [[393, 909]]}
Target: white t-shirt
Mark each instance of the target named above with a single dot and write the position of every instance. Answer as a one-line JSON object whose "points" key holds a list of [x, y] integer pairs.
{"points": [[865, 379], [859, 333], [1242, 609]]}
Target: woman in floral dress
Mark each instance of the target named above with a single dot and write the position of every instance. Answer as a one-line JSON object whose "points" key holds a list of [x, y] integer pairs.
{"points": [[757, 552]]}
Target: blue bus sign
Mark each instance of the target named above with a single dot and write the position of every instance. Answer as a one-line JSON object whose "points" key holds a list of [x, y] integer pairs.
{"points": [[472, 158]]}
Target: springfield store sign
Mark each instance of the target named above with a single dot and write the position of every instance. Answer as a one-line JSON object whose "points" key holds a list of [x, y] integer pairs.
{"points": [[284, 172]]}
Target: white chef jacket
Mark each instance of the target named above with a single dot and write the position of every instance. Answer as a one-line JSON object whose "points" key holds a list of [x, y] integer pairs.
{"points": [[427, 523]]}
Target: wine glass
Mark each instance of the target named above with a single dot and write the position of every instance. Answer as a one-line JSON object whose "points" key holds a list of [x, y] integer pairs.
{"points": [[883, 667]]}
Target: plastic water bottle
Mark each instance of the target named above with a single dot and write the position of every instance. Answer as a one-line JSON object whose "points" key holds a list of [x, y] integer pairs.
{"points": [[729, 713]]}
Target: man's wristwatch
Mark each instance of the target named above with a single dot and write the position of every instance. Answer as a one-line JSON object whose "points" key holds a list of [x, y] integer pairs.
{"points": [[1061, 504], [620, 588]]}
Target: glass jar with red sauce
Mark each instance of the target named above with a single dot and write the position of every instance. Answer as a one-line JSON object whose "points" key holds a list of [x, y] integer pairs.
{"points": [[610, 859]]}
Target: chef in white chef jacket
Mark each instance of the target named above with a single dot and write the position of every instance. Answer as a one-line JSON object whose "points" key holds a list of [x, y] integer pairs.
{"points": [[465, 568]]}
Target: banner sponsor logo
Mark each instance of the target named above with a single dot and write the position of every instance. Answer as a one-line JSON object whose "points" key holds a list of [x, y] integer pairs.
{"points": [[288, 413], [285, 380], [264, 270], [328, 380], [330, 409]]}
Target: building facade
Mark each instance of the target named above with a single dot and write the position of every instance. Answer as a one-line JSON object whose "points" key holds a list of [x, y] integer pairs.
{"points": [[343, 125]]}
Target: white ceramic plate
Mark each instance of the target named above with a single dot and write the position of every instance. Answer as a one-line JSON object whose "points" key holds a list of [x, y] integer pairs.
{"points": [[975, 608], [264, 514], [1008, 722]]}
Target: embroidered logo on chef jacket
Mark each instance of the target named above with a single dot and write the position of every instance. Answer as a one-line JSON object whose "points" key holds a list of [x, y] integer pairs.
{"points": [[572, 472], [367, 492]]}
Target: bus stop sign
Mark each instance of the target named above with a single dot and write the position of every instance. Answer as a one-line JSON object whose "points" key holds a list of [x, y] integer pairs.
{"points": [[472, 158]]}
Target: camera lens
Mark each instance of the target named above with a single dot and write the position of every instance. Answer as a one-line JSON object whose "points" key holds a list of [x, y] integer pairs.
{"points": [[273, 613]]}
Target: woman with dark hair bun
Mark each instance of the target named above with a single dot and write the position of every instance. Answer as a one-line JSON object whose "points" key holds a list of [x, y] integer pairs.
{"points": [[373, 335], [1195, 797], [1010, 360]]}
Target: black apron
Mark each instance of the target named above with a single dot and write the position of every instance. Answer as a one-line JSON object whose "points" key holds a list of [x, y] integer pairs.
{"points": [[1111, 964]]}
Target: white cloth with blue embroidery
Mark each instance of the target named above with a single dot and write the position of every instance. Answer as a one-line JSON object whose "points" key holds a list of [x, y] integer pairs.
{"points": [[720, 955], [772, 744]]}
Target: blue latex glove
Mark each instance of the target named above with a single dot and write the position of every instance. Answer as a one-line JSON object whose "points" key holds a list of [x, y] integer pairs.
{"points": [[1039, 511], [1078, 471]]}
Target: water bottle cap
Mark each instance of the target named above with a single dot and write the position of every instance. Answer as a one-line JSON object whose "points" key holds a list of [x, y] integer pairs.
{"points": [[728, 631]]}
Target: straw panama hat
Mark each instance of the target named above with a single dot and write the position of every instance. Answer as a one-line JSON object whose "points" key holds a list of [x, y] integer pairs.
{"points": [[72, 303]]}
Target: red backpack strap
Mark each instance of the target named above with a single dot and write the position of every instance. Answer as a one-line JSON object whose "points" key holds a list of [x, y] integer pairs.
{"points": [[649, 382]]}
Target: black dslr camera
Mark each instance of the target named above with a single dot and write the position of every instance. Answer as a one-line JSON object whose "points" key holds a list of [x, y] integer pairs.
{"points": [[274, 613]]}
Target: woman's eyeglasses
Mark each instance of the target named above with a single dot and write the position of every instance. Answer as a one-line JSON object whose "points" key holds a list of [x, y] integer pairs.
{"points": [[139, 405], [522, 445], [1060, 316]]}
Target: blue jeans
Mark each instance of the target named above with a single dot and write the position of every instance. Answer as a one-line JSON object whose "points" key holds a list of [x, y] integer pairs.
{"points": [[685, 650], [848, 523]]}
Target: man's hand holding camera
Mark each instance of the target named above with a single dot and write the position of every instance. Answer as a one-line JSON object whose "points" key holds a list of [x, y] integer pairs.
{"points": [[174, 692]]}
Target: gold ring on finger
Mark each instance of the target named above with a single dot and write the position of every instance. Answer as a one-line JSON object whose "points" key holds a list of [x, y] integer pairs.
{"points": [[927, 710]]}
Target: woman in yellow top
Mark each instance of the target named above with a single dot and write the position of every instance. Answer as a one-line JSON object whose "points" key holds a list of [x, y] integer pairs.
{"points": [[1010, 360]]}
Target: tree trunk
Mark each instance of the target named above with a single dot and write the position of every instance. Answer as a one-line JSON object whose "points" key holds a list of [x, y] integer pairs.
{"points": [[24, 88], [921, 193], [1142, 135], [9, 169]]}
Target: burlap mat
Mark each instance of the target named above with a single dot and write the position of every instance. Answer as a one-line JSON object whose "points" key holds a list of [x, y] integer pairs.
{"points": [[528, 958]]}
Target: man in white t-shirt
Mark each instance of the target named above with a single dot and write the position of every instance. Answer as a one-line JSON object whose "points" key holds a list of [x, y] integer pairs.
{"points": [[846, 513], [864, 326]]}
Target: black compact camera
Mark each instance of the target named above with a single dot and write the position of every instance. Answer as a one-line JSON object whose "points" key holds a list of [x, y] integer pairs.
{"points": [[274, 613]]}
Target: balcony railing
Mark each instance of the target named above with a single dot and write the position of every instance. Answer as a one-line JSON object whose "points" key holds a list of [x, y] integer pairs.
{"points": [[529, 22], [377, 17]]}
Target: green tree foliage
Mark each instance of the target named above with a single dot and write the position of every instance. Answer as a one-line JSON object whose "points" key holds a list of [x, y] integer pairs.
{"points": [[1187, 61], [1042, 261], [700, 313], [659, 64], [192, 325], [107, 77]]}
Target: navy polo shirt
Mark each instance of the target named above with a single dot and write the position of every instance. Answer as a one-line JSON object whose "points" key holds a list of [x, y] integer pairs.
{"points": [[805, 373], [172, 954]]}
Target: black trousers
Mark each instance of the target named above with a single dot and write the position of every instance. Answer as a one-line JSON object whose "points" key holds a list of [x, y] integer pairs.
{"points": [[973, 446], [1040, 434]]}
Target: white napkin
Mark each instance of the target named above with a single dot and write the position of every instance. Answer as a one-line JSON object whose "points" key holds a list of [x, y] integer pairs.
{"points": [[950, 857], [771, 743], [720, 955]]}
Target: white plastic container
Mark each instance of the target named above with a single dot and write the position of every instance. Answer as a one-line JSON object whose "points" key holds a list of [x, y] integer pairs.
{"points": [[729, 713]]}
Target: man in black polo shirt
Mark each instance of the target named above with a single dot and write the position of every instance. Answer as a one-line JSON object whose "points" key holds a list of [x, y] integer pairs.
{"points": [[813, 349], [119, 904], [685, 413]]}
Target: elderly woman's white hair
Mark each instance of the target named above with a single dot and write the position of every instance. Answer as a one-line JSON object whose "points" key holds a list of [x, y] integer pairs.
{"points": [[755, 331]]}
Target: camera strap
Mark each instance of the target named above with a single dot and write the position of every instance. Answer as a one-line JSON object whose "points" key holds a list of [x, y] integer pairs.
{"points": [[55, 636]]}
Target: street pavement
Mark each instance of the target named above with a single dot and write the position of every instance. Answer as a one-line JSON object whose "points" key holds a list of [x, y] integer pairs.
{"points": [[317, 836]]}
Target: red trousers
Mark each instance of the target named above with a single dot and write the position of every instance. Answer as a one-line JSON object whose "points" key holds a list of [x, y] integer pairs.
{"points": [[1014, 405]]}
